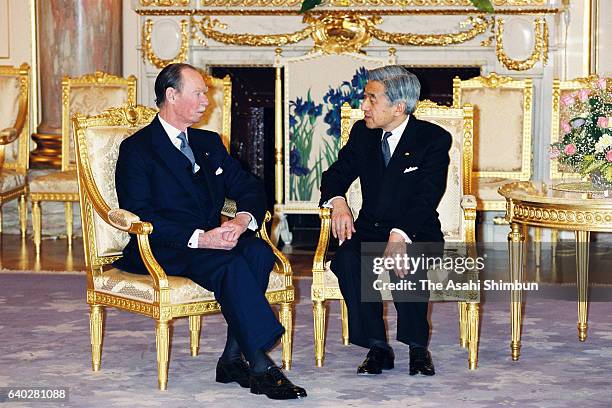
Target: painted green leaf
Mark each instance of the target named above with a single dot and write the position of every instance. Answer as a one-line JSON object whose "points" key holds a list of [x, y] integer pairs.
{"points": [[483, 5], [309, 5]]}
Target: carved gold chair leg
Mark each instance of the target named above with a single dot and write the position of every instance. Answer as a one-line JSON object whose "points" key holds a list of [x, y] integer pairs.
{"points": [[36, 225], [463, 324], [344, 316], [286, 319], [96, 319], [68, 214], [23, 215], [473, 317], [195, 325], [162, 341], [319, 331]]}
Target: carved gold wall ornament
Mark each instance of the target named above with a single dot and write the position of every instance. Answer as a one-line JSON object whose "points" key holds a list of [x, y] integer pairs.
{"points": [[147, 49], [353, 3], [254, 40], [540, 47], [478, 26], [164, 3], [335, 33], [205, 22]]}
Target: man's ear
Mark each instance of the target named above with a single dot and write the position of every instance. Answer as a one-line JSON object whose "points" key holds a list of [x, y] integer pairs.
{"points": [[400, 108], [170, 94]]}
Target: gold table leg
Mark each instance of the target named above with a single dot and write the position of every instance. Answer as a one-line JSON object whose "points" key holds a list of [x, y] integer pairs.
{"points": [[582, 273], [537, 241], [515, 250]]}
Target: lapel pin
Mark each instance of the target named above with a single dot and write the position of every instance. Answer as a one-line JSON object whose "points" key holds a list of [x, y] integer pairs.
{"points": [[407, 154]]}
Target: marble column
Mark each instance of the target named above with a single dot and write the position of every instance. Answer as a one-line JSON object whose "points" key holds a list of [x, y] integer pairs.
{"points": [[75, 37]]}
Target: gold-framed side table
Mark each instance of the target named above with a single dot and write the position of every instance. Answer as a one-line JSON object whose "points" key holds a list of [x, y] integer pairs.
{"points": [[569, 207]]}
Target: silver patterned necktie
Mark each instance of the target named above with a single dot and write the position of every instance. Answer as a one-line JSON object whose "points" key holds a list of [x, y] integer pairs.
{"points": [[386, 150], [186, 149]]}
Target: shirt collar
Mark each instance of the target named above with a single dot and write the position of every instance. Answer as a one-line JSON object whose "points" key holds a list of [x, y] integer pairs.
{"points": [[398, 131], [170, 130]]}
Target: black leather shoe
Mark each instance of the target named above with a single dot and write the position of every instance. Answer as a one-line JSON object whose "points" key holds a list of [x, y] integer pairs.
{"points": [[275, 385], [420, 362], [233, 371], [378, 359]]}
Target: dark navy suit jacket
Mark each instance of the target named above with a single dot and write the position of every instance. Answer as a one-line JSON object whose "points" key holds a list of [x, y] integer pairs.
{"points": [[154, 181], [392, 196]]}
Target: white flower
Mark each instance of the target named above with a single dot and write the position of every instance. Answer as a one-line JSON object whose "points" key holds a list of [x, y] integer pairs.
{"points": [[603, 143]]}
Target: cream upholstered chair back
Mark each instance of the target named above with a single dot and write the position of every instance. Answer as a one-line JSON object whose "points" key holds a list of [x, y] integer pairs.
{"points": [[14, 113], [89, 95], [218, 114], [502, 113], [559, 115], [97, 143], [459, 123]]}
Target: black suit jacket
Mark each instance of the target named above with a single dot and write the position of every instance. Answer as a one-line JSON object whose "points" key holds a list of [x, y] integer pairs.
{"points": [[154, 181], [392, 196]]}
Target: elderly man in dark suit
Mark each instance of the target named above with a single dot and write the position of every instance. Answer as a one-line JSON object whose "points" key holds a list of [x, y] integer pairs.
{"points": [[402, 164], [177, 178]]}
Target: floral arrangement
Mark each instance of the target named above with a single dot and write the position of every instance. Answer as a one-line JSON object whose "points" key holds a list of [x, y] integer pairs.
{"points": [[585, 146], [303, 115], [481, 5]]}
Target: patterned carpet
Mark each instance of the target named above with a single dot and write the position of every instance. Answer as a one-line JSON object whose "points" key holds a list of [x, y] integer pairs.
{"points": [[45, 342]]}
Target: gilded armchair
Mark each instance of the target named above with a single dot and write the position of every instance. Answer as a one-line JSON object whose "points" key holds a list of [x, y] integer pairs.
{"points": [[105, 233], [218, 114], [14, 138], [457, 214], [502, 114], [88, 95]]}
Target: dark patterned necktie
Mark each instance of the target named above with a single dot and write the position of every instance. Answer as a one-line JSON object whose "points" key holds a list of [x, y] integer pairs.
{"points": [[386, 150], [186, 149]]}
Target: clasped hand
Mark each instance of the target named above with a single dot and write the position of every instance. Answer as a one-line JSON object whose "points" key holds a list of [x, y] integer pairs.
{"points": [[226, 236]]}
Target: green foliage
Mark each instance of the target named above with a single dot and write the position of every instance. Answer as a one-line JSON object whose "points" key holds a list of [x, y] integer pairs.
{"points": [[482, 5]]}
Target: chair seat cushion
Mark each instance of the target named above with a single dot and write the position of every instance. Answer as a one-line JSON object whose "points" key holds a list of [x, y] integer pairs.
{"points": [[10, 180], [485, 188], [56, 182], [182, 290]]}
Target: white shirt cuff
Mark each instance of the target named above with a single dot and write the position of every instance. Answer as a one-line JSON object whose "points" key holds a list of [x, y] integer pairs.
{"points": [[328, 203], [253, 223], [403, 234], [193, 241]]}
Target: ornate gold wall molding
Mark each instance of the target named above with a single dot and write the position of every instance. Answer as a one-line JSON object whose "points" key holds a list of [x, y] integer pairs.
{"points": [[147, 48], [540, 47], [335, 33], [164, 3], [478, 26], [352, 3], [254, 40]]}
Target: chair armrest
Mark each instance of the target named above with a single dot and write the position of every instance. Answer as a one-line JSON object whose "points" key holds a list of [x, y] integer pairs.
{"points": [[8, 135], [130, 222], [283, 264], [318, 264]]}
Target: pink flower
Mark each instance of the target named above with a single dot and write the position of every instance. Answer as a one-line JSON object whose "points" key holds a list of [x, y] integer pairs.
{"points": [[553, 152], [567, 100], [566, 127], [609, 156], [601, 83], [602, 122], [570, 149], [583, 95]]}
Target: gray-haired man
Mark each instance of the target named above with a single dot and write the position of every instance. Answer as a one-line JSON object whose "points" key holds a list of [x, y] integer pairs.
{"points": [[402, 164]]}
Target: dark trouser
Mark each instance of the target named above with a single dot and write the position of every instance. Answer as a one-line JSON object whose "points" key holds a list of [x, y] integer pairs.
{"points": [[239, 279], [366, 318]]}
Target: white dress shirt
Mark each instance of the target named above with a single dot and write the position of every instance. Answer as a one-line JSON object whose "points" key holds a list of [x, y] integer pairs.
{"points": [[396, 135], [173, 133]]}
